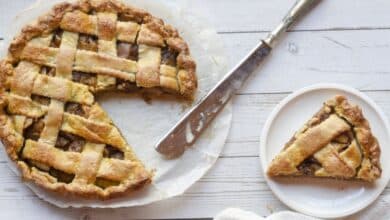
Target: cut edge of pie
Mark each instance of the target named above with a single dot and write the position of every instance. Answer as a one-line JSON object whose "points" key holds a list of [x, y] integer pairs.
{"points": [[50, 123], [336, 142]]}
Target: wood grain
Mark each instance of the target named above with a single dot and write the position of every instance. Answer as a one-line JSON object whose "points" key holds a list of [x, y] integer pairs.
{"points": [[263, 15], [342, 41], [235, 181], [355, 58]]}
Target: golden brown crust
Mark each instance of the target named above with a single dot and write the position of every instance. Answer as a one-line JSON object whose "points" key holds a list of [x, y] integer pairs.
{"points": [[352, 155], [18, 111], [44, 25], [371, 169], [89, 191], [52, 20]]}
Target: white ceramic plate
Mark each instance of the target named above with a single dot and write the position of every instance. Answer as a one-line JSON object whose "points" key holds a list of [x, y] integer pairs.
{"points": [[325, 198]]}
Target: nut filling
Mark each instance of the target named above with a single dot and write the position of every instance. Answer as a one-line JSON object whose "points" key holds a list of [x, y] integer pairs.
{"points": [[88, 42], [84, 78], [33, 131], [40, 99], [126, 86], [111, 152], [168, 56], [57, 37], [61, 176], [127, 51], [76, 108], [309, 166], [70, 142], [46, 70]]}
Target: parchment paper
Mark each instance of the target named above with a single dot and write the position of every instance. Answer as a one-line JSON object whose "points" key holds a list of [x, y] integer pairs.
{"points": [[143, 124]]}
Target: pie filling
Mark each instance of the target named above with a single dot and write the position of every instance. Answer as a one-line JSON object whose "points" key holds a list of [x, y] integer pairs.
{"points": [[88, 42], [49, 71], [112, 152], [168, 57], [127, 51], [88, 79], [57, 37], [69, 142], [76, 109], [61, 175]]}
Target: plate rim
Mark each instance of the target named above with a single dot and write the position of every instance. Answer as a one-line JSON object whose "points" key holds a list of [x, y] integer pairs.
{"points": [[272, 116]]}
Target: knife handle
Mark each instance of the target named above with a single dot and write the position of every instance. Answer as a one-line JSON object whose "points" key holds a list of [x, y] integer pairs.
{"points": [[297, 11]]}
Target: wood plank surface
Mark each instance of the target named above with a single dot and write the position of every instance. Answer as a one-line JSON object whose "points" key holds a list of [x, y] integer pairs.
{"points": [[263, 15], [342, 41], [235, 181]]}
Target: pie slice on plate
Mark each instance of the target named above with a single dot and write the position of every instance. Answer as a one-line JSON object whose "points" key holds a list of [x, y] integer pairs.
{"points": [[50, 123], [337, 142]]}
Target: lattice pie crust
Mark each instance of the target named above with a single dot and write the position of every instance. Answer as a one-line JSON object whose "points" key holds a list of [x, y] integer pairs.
{"points": [[50, 123], [337, 142]]}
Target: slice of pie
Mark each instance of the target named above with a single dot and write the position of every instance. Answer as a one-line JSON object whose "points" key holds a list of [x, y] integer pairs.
{"points": [[336, 142], [50, 123]]}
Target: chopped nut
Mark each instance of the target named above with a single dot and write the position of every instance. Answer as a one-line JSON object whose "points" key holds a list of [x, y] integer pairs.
{"points": [[85, 78], [34, 131], [133, 54], [127, 86], [40, 99], [309, 166], [56, 41], [87, 42], [127, 51], [112, 152], [168, 57], [61, 176], [46, 70], [75, 108], [76, 146], [62, 142], [123, 50]]}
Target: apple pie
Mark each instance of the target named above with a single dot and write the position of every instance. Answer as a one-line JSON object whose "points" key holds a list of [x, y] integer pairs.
{"points": [[50, 123], [337, 142]]}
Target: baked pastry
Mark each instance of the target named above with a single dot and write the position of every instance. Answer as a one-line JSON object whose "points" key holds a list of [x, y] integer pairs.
{"points": [[337, 142], [50, 123]]}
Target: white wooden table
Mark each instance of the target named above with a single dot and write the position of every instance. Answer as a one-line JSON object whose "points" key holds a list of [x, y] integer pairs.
{"points": [[341, 41]]}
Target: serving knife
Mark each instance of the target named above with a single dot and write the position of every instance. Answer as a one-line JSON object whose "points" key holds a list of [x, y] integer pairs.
{"points": [[191, 126]]}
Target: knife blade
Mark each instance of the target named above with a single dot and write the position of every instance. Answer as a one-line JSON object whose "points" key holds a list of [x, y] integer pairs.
{"points": [[194, 122]]}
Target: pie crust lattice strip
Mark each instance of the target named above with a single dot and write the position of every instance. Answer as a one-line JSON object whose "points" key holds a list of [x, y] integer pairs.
{"points": [[336, 142], [50, 123]]}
